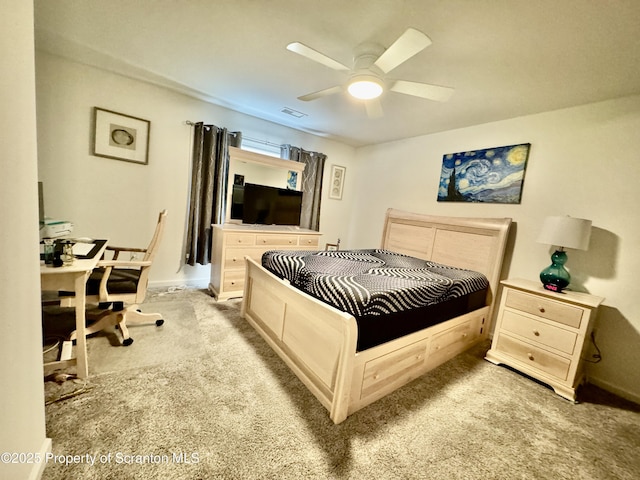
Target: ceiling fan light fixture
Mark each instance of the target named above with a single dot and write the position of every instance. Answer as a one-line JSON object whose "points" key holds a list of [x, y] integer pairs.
{"points": [[365, 87]]}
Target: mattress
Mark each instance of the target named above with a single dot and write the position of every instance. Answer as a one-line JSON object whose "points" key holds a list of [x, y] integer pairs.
{"points": [[389, 294]]}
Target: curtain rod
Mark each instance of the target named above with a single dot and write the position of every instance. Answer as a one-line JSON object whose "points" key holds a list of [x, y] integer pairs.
{"points": [[255, 140]]}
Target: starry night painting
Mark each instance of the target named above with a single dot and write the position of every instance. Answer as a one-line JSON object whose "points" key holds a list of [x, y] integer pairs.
{"points": [[493, 175]]}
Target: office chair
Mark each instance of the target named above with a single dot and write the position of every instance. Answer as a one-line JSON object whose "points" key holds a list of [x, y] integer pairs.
{"points": [[118, 286]]}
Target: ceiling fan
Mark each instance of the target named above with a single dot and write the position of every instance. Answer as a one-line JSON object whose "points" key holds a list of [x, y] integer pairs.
{"points": [[371, 63]]}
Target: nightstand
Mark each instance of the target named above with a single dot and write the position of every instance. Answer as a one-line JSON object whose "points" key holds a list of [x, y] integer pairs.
{"points": [[543, 334]]}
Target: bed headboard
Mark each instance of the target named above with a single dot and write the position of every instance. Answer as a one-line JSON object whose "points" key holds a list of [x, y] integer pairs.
{"points": [[472, 243]]}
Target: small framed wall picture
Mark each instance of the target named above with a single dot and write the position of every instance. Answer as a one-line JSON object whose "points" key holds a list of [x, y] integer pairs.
{"points": [[337, 182], [120, 137], [292, 180], [332, 247]]}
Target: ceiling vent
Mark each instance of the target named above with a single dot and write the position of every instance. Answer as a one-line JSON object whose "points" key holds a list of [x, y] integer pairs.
{"points": [[293, 113]]}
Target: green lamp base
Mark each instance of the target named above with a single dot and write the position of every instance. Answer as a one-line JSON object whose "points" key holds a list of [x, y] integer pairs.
{"points": [[555, 277]]}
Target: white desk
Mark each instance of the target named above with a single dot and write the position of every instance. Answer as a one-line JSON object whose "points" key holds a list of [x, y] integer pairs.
{"points": [[72, 278]]}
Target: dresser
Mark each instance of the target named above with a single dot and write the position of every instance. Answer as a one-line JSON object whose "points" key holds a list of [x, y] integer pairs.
{"points": [[231, 243], [543, 334]]}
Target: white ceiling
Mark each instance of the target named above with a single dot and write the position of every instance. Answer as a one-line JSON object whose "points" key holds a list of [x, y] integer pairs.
{"points": [[505, 58]]}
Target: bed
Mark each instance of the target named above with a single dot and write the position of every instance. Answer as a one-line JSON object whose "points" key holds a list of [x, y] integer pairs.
{"points": [[323, 345]]}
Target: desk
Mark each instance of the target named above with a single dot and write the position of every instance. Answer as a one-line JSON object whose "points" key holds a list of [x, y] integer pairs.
{"points": [[72, 278]]}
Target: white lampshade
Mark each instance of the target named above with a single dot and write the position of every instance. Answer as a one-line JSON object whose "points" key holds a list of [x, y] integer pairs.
{"points": [[566, 232]]}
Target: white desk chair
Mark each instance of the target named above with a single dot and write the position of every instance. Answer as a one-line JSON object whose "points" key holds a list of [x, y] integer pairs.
{"points": [[118, 287]]}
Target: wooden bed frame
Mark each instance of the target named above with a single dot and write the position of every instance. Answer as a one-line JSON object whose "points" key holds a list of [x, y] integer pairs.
{"points": [[318, 342]]}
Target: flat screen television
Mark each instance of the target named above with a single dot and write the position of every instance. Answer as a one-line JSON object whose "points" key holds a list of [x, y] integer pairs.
{"points": [[260, 204]]}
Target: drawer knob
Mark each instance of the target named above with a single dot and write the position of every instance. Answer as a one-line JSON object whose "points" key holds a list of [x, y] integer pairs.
{"points": [[541, 309], [536, 333], [530, 356], [464, 335]]}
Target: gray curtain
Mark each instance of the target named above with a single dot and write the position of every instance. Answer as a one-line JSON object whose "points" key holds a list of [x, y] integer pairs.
{"points": [[311, 183], [208, 196]]}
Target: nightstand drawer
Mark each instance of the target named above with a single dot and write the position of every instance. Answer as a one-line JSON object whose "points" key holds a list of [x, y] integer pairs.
{"points": [[539, 332], [542, 307], [534, 357]]}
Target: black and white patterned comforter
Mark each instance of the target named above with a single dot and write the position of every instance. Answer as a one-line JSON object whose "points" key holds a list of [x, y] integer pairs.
{"points": [[372, 282]]}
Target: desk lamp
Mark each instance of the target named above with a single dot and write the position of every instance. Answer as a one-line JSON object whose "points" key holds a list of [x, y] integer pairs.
{"points": [[562, 232]]}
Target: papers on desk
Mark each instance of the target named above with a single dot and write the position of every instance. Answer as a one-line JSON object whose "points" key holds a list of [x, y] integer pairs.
{"points": [[82, 249]]}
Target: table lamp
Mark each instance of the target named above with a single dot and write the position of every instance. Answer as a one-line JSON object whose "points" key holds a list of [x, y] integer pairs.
{"points": [[562, 232]]}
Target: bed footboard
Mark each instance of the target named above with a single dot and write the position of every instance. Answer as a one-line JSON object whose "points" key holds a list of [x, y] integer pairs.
{"points": [[316, 341]]}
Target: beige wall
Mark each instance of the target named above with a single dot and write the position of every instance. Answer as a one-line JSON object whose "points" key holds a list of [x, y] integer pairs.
{"points": [[22, 426], [584, 163], [119, 200]]}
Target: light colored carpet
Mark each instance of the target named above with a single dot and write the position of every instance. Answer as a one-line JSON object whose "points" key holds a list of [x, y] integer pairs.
{"points": [[179, 334], [231, 407]]}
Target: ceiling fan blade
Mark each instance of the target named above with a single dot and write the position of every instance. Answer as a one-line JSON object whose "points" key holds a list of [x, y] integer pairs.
{"points": [[374, 108], [406, 46], [321, 93], [316, 56], [424, 90]]}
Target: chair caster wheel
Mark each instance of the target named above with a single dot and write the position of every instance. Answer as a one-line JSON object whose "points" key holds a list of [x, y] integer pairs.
{"points": [[127, 341], [159, 322]]}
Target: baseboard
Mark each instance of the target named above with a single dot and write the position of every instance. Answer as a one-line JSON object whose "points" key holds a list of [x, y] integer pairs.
{"points": [[191, 283], [38, 468], [621, 392]]}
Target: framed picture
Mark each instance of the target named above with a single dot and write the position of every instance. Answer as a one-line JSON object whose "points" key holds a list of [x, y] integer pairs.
{"points": [[492, 175], [337, 181], [292, 180], [121, 137], [332, 247]]}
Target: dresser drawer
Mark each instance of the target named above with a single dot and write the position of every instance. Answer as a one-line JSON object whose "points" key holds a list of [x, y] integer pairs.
{"points": [[232, 239], [539, 332], [542, 307], [308, 241], [277, 240], [234, 257], [534, 357], [233, 280]]}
